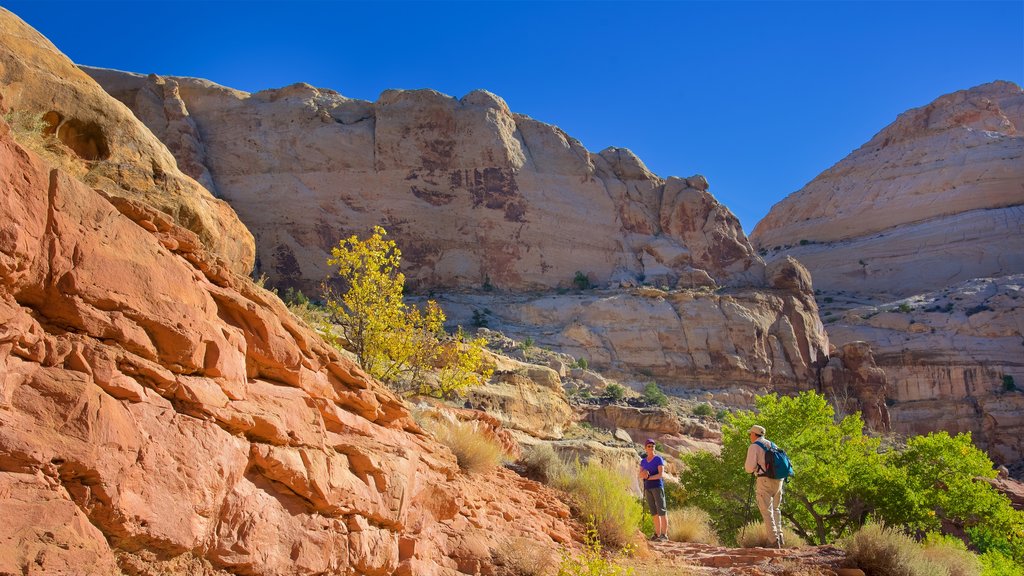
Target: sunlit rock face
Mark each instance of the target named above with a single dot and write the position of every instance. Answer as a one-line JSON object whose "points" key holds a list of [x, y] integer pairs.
{"points": [[161, 413], [487, 201], [473, 193], [118, 154], [916, 245]]}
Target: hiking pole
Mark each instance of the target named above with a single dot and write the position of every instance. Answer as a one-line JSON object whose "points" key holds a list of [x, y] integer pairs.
{"points": [[750, 498]]}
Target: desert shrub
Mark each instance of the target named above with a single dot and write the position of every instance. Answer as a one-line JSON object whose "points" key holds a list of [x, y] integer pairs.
{"points": [[543, 464], [654, 396], [581, 281], [888, 552], [615, 392], [753, 535], [1008, 384], [520, 556], [691, 524], [703, 409], [675, 494], [396, 343], [592, 561], [582, 363], [953, 554], [603, 496], [475, 451]]}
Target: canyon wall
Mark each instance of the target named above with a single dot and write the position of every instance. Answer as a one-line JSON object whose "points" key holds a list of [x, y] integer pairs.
{"points": [[915, 242]]}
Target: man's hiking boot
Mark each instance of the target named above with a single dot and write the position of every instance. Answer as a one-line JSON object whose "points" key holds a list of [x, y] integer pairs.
{"points": [[778, 542]]}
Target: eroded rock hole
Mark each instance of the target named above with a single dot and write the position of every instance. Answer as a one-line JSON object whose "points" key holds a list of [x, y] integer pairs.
{"points": [[86, 139]]}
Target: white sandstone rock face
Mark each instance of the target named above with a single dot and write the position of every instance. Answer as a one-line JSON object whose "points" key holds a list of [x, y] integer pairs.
{"points": [[474, 194], [687, 340], [962, 153], [916, 245], [952, 359]]}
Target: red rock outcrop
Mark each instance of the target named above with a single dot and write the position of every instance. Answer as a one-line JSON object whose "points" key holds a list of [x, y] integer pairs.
{"points": [[159, 410], [118, 153]]}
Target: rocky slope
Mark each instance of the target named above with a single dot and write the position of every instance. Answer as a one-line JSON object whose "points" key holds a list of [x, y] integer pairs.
{"points": [[182, 417], [160, 413], [916, 245]]}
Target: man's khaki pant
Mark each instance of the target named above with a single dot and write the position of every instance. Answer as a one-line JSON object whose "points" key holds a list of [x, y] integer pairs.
{"points": [[769, 501]]}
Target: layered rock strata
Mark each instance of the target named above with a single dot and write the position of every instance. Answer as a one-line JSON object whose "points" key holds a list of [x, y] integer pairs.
{"points": [[952, 361], [118, 153], [916, 244], [159, 411], [933, 199], [481, 199], [474, 194]]}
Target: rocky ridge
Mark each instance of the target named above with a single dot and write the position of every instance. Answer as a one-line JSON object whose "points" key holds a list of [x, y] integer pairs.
{"points": [[117, 153], [915, 242]]}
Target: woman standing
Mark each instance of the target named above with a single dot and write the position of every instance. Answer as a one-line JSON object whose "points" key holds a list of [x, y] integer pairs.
{"points": [[652, 468]]}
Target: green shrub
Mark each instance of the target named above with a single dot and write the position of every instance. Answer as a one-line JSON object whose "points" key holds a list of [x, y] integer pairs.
{"points": [[691, 525], [582, 363], [996, 564], [1008, 384], [581, 281], [703, 409], [603, 496], [904, 308], [654, 396], [884, 551], [615, 392], [675, 495], [543, 464], [592, 561]]}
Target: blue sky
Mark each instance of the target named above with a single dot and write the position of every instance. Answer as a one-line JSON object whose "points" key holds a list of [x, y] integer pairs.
{"points": [[759, 97]]}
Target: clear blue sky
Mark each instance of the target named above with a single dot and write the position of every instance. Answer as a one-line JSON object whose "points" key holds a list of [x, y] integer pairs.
{"points": [[759, 97]]}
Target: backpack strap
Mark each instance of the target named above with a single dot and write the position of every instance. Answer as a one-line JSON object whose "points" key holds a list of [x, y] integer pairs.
{"points": [[765, 448]]}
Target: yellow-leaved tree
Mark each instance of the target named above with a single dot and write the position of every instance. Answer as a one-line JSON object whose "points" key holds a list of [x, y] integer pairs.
{"points": [[397, 343]]}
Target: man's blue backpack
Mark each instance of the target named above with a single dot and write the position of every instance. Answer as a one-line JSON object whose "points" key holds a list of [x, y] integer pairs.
{"points": [[776, 461]]}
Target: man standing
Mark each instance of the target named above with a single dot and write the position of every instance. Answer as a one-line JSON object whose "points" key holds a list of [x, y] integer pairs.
{"points": [[652, 468], [769, 490]]}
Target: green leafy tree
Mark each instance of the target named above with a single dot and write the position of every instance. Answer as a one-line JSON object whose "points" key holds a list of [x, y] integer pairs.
{"points": [[398, 344], [836, 468], [654, 396]]}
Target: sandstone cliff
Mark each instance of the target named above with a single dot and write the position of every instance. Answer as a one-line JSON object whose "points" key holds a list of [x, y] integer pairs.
{"points": [[916, 245], [118, 154], [935, 198], [487, 201], [474, 194]]}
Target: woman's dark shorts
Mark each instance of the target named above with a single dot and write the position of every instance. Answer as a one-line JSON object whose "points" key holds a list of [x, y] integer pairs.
{"points": [[655, 500]]}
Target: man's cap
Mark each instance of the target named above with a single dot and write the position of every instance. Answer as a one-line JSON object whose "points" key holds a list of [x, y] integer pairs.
{"points": [[650, 441], [755, 429]]}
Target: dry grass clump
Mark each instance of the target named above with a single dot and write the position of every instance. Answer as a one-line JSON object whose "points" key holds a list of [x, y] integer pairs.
{"points": [[691, 524], [475, 451], [888, 552], [518, 556], [754, 535], [602, 496], [543, 464], [29, 130]]}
